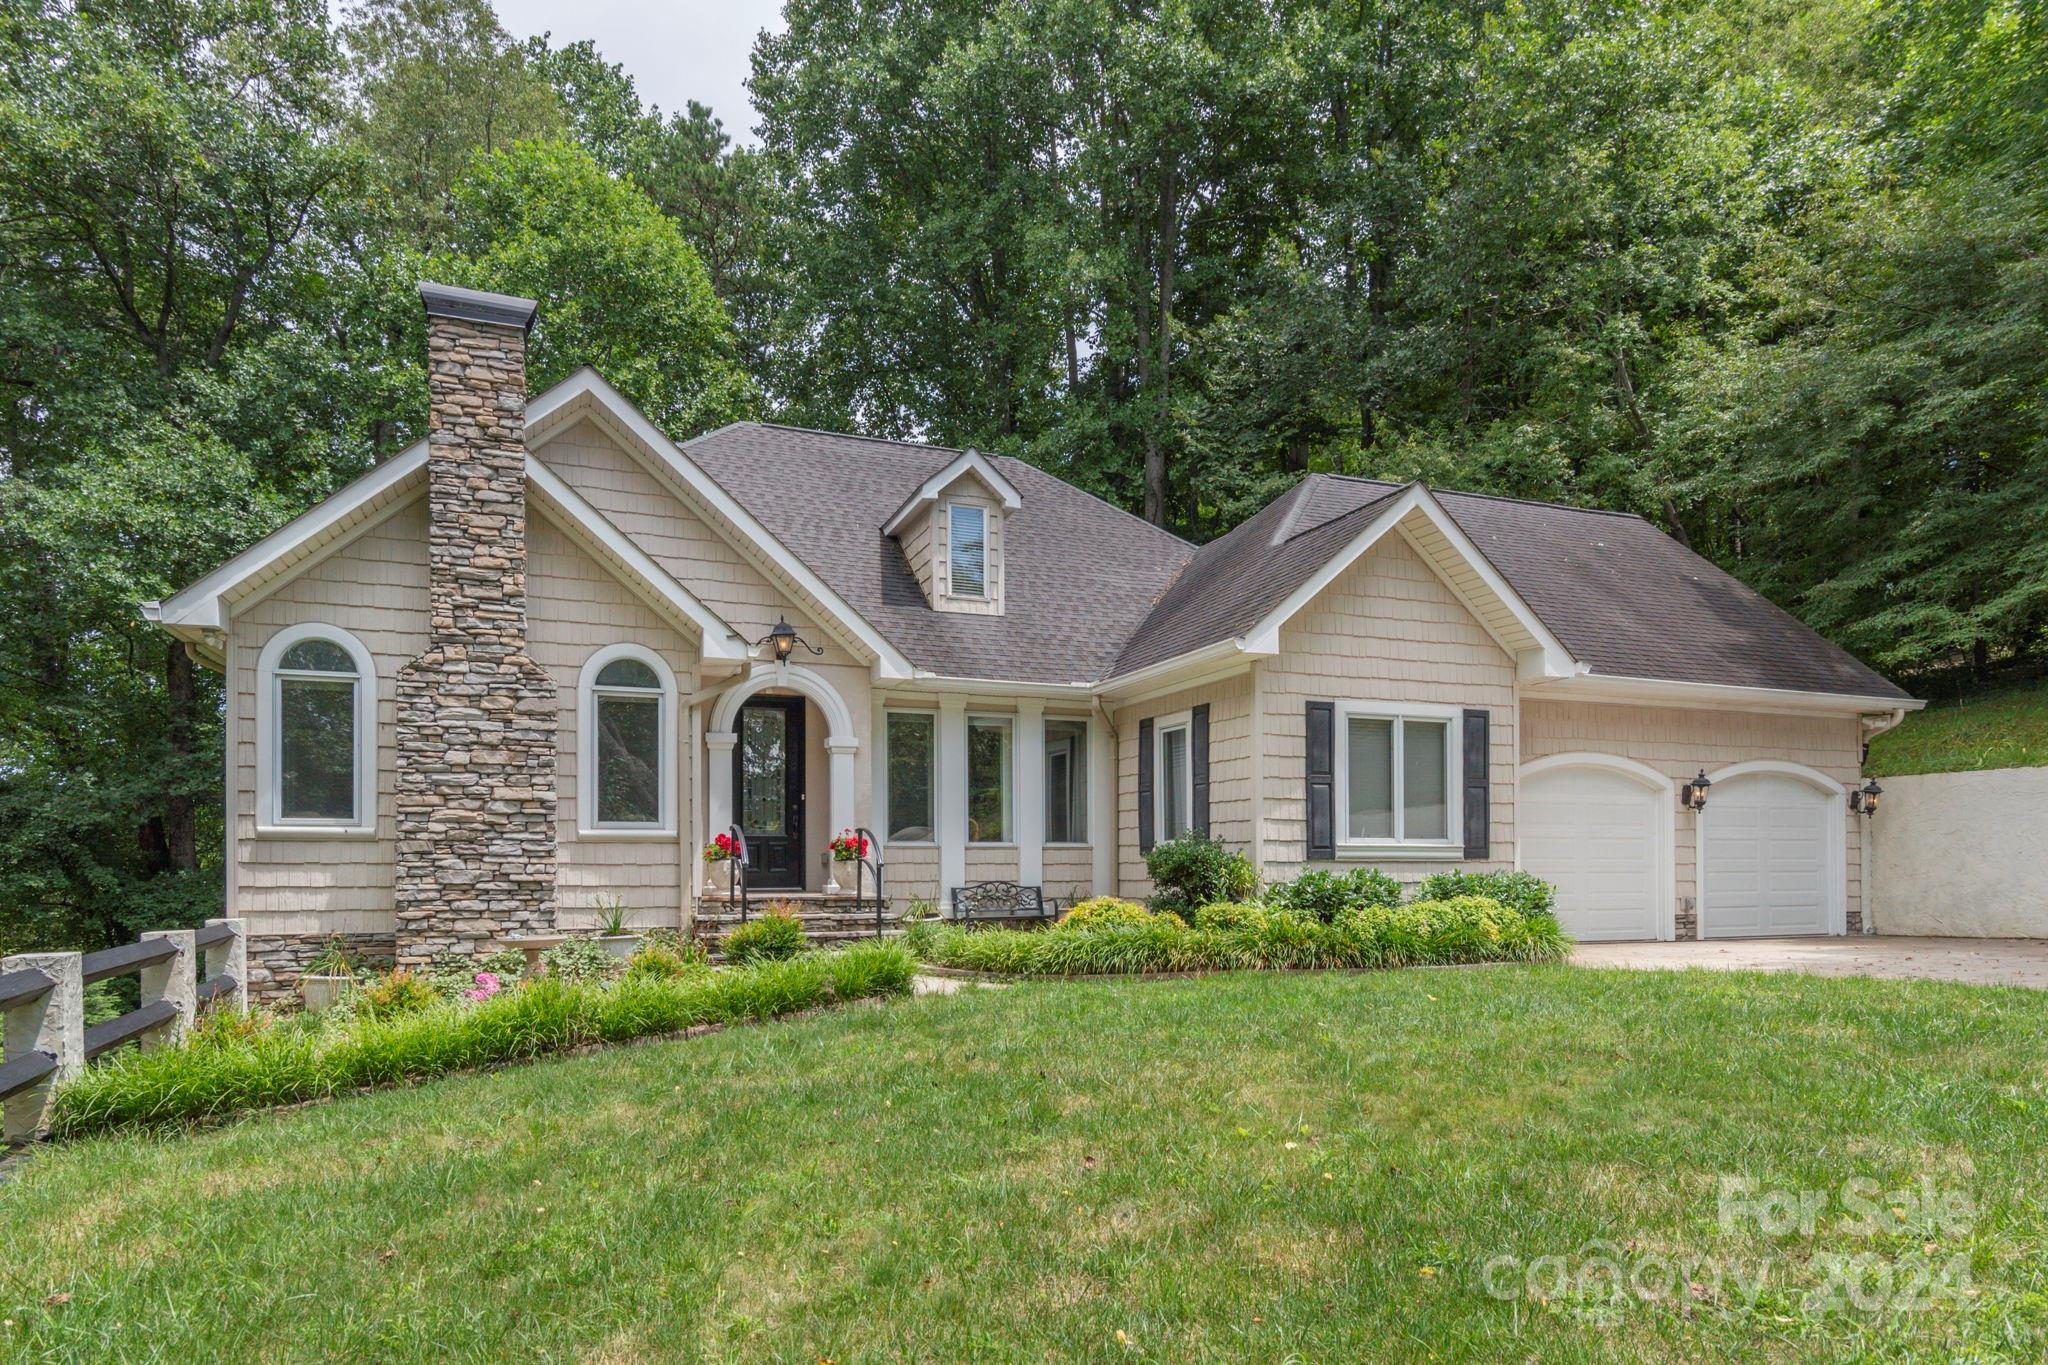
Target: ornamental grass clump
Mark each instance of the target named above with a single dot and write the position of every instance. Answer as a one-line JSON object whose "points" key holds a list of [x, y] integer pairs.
{"points": [[773, 935], [261, 1062]]}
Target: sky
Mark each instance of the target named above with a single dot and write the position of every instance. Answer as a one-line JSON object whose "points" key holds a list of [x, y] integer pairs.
{"points": [[675, 50]]}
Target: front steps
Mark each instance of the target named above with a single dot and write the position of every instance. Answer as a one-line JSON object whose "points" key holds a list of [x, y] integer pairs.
{"points": [[837, 918]]}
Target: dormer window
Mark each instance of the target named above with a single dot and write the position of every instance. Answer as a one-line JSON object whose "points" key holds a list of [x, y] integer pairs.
{"points": [[967, 537]]}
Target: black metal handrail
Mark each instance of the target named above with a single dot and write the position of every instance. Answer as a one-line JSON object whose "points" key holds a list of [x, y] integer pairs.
{"points": [[737, 892], [864, 865]]}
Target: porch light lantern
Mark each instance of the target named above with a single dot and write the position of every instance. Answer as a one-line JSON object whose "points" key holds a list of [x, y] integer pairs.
{"points": [[784, 640], [1693, 795], [1863, 801]]}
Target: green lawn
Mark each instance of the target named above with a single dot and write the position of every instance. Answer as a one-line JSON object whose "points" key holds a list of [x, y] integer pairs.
{"points": [[2003, 729], [1268, 1167]]}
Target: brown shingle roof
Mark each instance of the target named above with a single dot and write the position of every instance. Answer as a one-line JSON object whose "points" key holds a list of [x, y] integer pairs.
{"points": [[1093, 592], [1079, 574]]}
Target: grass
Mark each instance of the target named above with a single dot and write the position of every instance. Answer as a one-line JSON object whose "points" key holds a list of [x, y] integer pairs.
{"points": [[1251, 1166], [2002, 729]]}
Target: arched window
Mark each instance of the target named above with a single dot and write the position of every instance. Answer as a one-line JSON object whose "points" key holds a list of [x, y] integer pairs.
{"points": [[316, 732], [626, 766]]}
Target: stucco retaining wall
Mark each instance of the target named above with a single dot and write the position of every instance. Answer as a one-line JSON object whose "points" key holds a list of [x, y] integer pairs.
{"points": [[1963, 854]]}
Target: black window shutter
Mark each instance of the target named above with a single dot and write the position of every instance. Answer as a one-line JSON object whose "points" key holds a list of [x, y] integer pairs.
{"points": [[1478, 786], [1322, 787], [1144, 786], [1198, 767]]}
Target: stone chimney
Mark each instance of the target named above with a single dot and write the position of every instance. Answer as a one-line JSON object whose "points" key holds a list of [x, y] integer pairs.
{"points": [[476, 715]]}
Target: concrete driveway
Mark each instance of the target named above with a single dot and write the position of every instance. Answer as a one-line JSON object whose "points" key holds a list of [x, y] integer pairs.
{"points": [[1982, 961]]}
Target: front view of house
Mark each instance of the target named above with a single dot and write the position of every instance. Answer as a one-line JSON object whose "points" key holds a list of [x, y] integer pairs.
{"points": [[527, 669]]}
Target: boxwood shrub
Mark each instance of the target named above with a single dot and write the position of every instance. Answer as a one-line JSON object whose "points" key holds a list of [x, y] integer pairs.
{"points": [[1462, 929], [1198, 870], [1324, 895], [1523, 891]]}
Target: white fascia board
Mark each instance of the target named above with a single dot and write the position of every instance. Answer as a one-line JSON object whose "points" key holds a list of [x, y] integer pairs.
{"points": [[1611, 688], [720, 641], [968, 461], [1182, 670], [1553, 660], [557, 406], [202, 606], [994, 687]]}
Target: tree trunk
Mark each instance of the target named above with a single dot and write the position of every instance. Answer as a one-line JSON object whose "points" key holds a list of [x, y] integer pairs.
{"points": [[180, 848]]}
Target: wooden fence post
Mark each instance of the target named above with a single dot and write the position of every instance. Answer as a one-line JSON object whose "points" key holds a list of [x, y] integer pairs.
{"points": [[231, 959], [51, 1022], [174, 979]]}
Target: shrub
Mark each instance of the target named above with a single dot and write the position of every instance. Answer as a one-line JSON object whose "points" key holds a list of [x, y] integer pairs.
{"points": [[582, 961], [1462, 929], [772, 936], [1198, 870], [1230, 915], [227, 1070], [1324, 895], [1523, 891], [662, 960], [396, 993], [1102, 910]]}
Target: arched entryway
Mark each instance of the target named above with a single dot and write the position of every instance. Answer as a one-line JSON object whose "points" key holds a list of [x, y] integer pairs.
{"points": [[767, 707]]}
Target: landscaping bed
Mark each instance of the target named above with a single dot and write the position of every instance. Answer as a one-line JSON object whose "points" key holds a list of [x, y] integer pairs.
{"points": [[1320, 920], [398, 1028]]}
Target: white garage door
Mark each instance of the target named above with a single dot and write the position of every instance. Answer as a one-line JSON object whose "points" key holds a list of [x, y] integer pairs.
{"points": [[1764, 858], [1593, 832]]}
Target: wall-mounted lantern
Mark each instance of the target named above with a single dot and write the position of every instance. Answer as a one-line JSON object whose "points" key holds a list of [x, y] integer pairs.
{"points": [[1863, 801], [784, 640], [1693, 795]]}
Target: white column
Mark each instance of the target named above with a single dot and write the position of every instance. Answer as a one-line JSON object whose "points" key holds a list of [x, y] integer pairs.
{"points": [[878, 774], [1030, 794], [718, 747], [1102, 802], [841, 753], [951, 800]]}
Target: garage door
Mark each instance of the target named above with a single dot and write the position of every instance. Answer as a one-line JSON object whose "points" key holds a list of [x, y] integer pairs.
{"points": [[1765, 858], [1593, 832]]}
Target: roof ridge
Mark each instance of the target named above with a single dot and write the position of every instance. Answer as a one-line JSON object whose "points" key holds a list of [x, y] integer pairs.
{"points": [[1125, 513], [856, 436], [1490, 497], [1390, 490]]}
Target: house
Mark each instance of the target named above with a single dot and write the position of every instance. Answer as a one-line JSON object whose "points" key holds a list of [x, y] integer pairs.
{"points": [[517, 673]]}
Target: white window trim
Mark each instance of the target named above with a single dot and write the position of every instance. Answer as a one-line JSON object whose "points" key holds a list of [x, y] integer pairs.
{"points": [[1009, 722], [882, 776], [1082, 756], [1161, 727], [270, 746], [1451, 846], [587, 693], [952, 589]]}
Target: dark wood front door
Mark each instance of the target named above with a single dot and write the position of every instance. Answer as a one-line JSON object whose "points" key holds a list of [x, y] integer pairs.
{"points": [[768, 788]]}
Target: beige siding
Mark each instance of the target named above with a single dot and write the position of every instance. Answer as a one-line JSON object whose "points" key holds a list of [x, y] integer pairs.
{"points": [[375, 588], [575, 607], [1230, 770], [991, 863], [913, 872], [1678, 742], [968, 491], [917, 548], [1387, 630], [1069, 873]]}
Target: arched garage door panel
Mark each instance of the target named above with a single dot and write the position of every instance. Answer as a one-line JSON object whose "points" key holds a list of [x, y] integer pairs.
{"points": [[1767, 866], [1594, 833]]}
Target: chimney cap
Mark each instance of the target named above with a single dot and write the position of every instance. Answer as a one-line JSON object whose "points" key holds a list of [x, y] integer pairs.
{"points": [[474, 305]]}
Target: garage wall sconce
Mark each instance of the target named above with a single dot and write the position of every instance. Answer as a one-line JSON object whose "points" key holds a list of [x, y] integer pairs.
{"points": [[1693, 795], [1863, 801]]}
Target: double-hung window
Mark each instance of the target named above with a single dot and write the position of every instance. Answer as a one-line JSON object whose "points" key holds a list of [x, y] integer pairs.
{"points": [[1395, 776], [967, 549], [1173, 781]]}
